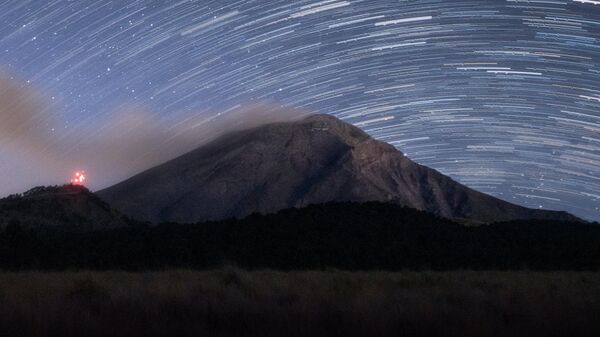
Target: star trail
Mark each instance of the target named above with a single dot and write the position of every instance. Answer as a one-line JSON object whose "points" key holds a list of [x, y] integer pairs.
{"points": [[503, 96]]}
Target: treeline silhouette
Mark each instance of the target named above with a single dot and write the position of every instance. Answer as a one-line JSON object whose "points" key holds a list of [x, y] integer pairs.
{"points": [[349, 236]]}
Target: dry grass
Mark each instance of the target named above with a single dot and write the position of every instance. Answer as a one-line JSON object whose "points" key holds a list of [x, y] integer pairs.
{"points": [[231, 302]]}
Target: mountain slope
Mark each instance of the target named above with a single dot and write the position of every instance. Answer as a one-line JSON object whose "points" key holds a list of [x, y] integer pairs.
{"points": [[66, 207], [315, 160]]}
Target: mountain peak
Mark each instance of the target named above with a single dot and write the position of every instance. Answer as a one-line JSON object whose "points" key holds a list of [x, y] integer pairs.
{"points": [[323, 120], [317, 159], [313, 127]]}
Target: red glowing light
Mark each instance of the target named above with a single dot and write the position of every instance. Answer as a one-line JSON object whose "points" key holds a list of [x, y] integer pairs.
{"points": [[79, 178]]}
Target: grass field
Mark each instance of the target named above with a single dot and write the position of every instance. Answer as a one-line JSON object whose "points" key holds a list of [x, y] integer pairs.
{"points": [[231, 302]]}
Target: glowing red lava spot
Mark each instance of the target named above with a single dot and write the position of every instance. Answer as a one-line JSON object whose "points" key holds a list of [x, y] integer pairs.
{"points": [[78, 178]]}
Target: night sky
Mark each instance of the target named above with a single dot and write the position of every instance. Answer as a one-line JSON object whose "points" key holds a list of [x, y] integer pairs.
{"points": [[503, 96]]}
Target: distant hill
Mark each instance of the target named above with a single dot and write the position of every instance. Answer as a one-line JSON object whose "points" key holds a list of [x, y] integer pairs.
{"points": [[315, 160], [65, 207], [350, 236]]}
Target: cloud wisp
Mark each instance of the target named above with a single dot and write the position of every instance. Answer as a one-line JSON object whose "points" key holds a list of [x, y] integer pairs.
{"points": [[131, 139]]}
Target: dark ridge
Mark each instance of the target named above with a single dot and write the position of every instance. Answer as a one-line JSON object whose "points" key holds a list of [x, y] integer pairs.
{"points": [[349, 236], [66, 207]]}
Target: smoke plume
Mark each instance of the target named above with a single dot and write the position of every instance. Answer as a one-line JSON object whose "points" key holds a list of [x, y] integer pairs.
{"points": [[36, 149]]}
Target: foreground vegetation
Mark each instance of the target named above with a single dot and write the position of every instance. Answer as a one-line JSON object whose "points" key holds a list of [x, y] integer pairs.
{"points": [[371, 236], [232, 302]]}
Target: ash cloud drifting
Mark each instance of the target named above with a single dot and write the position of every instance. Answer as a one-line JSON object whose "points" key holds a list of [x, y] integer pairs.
{"points": [[27, 153], [35, 151]]}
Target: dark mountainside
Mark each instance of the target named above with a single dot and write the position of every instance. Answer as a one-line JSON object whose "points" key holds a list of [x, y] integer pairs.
{"points": [[66, 207], [315, 160], [348, 236]]}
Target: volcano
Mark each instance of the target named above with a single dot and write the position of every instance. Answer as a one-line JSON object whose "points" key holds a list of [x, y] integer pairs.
{"points": [[314, 160]]}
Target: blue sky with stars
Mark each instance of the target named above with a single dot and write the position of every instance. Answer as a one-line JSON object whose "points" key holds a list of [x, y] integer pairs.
{"points": [[503, 96]]}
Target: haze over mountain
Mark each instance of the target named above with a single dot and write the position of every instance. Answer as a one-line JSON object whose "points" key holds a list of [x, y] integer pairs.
{"points": [[314, 160]]}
